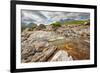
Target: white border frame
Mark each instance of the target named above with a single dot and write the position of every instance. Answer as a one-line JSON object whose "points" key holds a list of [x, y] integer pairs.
{"points": [[20, 65]]}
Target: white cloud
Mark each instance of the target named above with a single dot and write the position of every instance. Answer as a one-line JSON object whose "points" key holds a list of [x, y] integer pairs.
{"points": [[47, 17]]}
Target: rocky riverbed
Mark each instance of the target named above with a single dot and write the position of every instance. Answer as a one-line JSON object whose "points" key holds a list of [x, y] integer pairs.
{"points": [[65, 44]]}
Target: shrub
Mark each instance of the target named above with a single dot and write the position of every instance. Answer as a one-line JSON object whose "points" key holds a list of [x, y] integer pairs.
{"points": [[34, 26], [41, 26], [56, 24]]}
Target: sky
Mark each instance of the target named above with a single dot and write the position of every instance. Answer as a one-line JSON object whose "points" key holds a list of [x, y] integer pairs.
{"points": [[48, 17]]}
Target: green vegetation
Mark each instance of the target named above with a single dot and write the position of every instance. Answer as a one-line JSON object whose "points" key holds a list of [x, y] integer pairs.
{"points": [[31, 26], [22, 28], [76, 22], [34, 26], [56, 24]]}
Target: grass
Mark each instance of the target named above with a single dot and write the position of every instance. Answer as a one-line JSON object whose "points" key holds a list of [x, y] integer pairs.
{"points": [[76, 22], [56, 24]]}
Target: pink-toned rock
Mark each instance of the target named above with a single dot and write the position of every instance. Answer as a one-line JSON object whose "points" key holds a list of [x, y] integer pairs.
{"points": [[39, 45], [61, 56]]}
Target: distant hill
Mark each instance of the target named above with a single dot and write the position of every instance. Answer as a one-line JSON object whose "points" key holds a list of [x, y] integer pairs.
{"points": [[65, 20], [30, 25]]}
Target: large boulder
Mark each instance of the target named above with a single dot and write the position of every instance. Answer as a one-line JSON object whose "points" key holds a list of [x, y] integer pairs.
{"points": [[61, 56]]}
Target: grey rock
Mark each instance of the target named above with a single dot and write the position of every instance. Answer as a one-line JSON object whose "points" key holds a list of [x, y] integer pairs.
{"points": [[61, 56], [36, 57], [39, 45], [27, 51]]}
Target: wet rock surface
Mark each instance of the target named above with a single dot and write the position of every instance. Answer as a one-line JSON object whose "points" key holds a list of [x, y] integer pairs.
{"points": [[70, 43]]}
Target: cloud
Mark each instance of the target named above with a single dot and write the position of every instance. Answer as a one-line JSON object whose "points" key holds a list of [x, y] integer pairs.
{"points": [[47, 17]]}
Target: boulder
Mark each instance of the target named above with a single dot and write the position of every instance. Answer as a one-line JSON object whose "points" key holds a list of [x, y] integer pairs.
{"points": [[87, 23], [61, 55], [40, 27]]}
